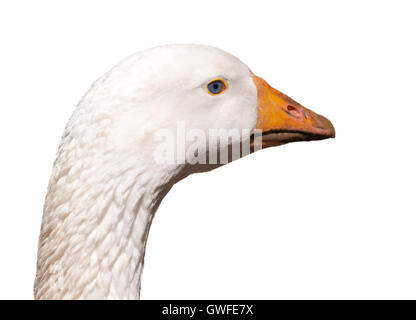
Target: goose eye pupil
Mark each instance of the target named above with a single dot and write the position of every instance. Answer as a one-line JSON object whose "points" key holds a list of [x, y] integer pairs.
{"points": [[216, 87]]}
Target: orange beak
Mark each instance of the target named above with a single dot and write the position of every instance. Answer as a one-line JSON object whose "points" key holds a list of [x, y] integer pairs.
{"points": [[283, 120]]}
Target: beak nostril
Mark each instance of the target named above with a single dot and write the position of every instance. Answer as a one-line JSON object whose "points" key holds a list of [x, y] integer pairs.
{"points": [[295, 111]]}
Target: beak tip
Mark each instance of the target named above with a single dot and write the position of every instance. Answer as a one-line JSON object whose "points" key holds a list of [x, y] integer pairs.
{"points": [[327, 126], [332, 132]]}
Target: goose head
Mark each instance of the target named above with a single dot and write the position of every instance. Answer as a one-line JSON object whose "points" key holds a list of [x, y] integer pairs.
{"points": [[140, 128], [202, 88]]}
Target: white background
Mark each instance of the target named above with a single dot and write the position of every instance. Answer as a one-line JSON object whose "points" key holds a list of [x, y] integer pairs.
{"points": [[329, 219]]}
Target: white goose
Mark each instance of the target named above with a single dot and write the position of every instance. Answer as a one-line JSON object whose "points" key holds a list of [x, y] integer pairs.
{"points": [[106, 186]]}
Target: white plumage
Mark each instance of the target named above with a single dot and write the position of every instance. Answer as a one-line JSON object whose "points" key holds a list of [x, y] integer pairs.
{"points": [[105, 187]]}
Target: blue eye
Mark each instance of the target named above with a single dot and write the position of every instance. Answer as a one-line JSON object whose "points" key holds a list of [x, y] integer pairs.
{"points": [[216, 86]]}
